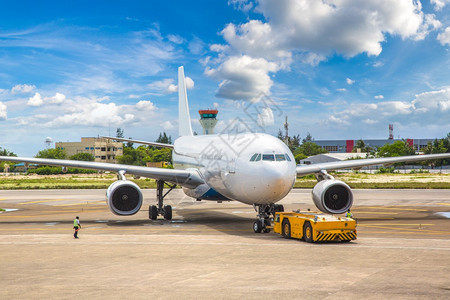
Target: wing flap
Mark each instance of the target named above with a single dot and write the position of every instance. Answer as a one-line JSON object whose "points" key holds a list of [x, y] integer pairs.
{"points": [[185, 178]]}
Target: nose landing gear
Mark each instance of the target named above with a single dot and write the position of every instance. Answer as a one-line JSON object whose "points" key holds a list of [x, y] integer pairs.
{"points": [[264, 211], [161, 209]]}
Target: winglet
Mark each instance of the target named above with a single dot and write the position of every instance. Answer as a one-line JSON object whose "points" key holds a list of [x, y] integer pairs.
{"points": [[184, 120]]}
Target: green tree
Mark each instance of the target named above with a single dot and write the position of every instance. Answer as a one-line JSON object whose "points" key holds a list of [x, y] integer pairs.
{"points": [[82, 157], [51, 153], [308, 138], [163, 138], [397, 148], [119, 133], [5, 152], [309, 149]]}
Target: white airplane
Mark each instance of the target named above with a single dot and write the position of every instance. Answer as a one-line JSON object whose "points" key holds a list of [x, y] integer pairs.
{"points": [[256, 169]]}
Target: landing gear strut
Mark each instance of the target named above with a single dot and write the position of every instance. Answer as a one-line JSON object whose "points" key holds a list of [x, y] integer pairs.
{"points": [[264, 211], [162, 210]]}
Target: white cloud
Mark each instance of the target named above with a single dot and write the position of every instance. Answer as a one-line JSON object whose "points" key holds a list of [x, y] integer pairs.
{"points": [[379, 97], [370, 121], [348, 27], [3, 112], [332, 120], [341, 90], [36, 100], [22, 88], [349, 81], [167, 85], [244, 5], [243, 77], [145, 105], [265, 118], [439, 4], [175, 39], [310, 30], [57, 99], [94, 114], [444, 37], [167, 125]]}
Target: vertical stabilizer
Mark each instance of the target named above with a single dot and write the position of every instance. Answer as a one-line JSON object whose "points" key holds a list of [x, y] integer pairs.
{"points": [[184, 120]]}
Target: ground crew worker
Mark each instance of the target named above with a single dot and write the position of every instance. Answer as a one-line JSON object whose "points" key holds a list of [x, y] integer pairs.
{"points": [[76, 226], [349, 214]]}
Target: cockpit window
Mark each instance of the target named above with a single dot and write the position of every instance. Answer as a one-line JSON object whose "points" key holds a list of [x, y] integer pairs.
{"points": [[254, 157], [287, 157], [268, 157], [280, 157], [258, 158]]}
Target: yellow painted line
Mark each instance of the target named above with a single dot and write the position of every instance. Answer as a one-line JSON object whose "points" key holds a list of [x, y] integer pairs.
{"points": [[397, 208], [1, 199], [438, 203], [374, 212], [83, 203], [372, 218], [395, 225], [1, 216], [42, 201], [409, 230]]}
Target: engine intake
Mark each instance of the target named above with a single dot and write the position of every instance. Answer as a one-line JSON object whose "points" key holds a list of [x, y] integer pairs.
{"points": [[124, 198], [332, 196]]}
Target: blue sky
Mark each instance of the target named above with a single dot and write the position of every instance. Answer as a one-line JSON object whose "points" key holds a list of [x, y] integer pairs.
{"points": [[339, 69]]}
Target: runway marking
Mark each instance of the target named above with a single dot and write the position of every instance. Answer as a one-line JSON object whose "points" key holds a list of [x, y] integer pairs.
{"points": [[42, 201], [2, 216], [396, 208], [372, 218], [1, 199], [374, 212], [437, 203], [408, 230], [398, 224], [83, 203]]}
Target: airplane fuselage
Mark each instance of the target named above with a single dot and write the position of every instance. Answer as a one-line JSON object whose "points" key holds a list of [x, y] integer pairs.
{"points": [[248, 167]]}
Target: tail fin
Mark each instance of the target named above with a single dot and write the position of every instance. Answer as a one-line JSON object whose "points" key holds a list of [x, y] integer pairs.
{"points": [[184, 120]]}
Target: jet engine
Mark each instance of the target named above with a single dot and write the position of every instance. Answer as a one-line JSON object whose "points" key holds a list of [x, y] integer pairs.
{"points": [[332, 196], [124, 198]]}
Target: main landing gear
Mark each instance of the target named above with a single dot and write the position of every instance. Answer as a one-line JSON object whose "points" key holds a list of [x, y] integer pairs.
{"points": [[264, 211], [163, 210]]}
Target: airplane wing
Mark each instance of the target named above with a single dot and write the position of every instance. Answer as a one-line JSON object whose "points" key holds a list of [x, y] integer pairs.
{"points": [[155, 144], [185, 178], [359, 163]]}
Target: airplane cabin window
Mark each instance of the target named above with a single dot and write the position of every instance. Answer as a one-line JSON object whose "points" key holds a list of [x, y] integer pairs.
{"points": [[254, 157], [258, 158], [280, 157], [268, 157], [287, 157]]}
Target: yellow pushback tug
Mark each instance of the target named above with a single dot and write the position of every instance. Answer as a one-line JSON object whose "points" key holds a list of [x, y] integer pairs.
{"points": [[314, 227]]}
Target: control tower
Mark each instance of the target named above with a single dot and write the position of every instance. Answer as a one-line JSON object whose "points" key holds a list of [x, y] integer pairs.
{"points": [[208, 120]]}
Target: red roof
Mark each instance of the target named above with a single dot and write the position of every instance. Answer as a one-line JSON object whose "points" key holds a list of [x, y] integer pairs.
{"points": [[208, 111]]}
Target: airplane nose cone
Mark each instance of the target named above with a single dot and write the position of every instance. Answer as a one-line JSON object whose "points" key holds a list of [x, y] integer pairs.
{"points": [[270, 184]]}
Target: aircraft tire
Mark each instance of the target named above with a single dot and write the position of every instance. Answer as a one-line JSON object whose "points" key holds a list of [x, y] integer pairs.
{"points": [[257, 226], [152, 212], [168, 212]]}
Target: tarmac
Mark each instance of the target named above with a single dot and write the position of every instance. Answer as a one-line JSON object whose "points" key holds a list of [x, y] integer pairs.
{"points": [[209, 250]]}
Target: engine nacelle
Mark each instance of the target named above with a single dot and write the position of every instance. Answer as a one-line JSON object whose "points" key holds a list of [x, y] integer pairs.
{"points": [[124, 198], [332, 196]]}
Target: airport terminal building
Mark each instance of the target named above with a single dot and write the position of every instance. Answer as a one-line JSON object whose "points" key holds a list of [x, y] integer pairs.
{"points": [[346, 146], [103, 150]]}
